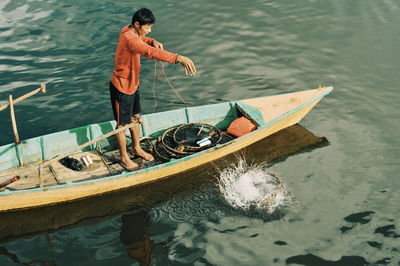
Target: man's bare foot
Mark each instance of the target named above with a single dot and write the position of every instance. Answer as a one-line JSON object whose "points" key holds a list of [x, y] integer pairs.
{"points": [[129, 165], [141, 153]]}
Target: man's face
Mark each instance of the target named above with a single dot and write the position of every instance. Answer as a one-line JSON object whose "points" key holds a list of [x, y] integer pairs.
{"points": [[143, 30]]}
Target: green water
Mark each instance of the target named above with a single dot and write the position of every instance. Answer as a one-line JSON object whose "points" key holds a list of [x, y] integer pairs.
{"points": [[348, 205]]}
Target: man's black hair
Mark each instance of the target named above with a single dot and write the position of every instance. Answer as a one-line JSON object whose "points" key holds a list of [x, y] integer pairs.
{"points": [[143, 16]]}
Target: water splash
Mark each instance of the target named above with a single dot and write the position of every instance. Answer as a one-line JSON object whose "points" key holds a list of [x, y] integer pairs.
{"points": [[252, 189]]}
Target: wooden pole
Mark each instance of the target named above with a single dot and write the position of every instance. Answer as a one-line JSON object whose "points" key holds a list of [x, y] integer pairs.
{"points": [[9, 181], [104, 161], [20, 155], [13, 122], [41, 179], [54, 174], [109, 134], [23, 97]]}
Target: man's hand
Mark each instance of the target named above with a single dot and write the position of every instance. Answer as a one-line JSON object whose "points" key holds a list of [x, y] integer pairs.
{"points": [[188, 65], [157, 44]]}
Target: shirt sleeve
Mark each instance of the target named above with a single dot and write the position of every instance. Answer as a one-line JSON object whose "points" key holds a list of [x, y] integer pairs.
{"points": [[137, 45], [148, 40]]}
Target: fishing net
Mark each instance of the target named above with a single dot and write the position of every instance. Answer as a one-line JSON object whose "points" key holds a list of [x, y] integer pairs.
{"points": [[176, 142], [191, 136], [183, 140]]}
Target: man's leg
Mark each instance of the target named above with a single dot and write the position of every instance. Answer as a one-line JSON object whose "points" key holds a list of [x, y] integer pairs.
{"points": [[126, 162], [122, 107], [135, 132]]}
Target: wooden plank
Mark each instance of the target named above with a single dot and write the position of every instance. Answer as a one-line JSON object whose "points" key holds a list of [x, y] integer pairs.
{"points": [[93, 171], [112, 159], [28, 174]]}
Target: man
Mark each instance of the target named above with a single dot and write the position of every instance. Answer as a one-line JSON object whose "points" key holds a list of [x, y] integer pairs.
{"points": [[124, 84]]}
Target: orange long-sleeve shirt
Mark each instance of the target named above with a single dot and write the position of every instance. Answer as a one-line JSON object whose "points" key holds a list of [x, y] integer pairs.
{"points": [[127, 59]]}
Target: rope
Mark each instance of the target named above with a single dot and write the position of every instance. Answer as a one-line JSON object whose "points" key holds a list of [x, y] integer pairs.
{"points": [[154, 87], [160, 75]]}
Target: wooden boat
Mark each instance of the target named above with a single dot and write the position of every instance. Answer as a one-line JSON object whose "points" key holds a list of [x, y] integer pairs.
{"points": [[60, 184], [276, 147]]}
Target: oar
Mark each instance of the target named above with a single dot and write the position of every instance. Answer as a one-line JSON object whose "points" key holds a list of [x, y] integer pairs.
{"points": [[23, 97], [109, 134], [11, 103]]}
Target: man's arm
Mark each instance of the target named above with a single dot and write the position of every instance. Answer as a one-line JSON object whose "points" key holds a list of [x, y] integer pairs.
{"points": [[147, 40], [138, 45], [151, 52], [153, 42]]}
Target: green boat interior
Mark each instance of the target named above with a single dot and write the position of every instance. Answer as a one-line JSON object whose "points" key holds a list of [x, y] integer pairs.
{"points": [[23, 159]]}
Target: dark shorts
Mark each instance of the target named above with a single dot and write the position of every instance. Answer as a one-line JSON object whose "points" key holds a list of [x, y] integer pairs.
{"points": [[124, 105]]}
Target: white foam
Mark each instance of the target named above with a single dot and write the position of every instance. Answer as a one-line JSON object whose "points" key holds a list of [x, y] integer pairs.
{"points": [[248, 187]]}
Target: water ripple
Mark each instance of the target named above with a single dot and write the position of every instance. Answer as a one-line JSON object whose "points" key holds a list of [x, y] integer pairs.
{"points": [[242, 50]]}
